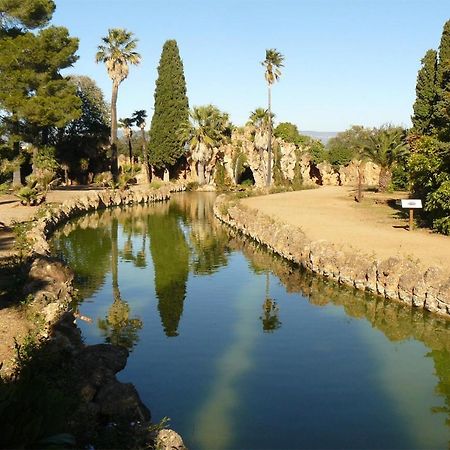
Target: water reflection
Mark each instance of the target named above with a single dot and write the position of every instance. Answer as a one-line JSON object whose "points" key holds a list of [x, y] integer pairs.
{"points": [[170, 254], [396, 321], [173, 240]]}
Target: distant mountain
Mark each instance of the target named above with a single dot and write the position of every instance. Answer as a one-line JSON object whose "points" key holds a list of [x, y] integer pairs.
{"points": [[323, 136]]}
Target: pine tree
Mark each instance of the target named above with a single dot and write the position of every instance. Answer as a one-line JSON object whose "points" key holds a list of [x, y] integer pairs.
{"points": [[34, 94], [442, 109], [171, 109], [425, 94]]}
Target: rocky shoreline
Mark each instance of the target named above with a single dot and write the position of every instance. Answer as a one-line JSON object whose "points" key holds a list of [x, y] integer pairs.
{"points": [[393, 278], [49, 284]]}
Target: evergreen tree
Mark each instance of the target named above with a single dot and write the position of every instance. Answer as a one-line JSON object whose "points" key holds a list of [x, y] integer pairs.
{"points": [[442, 109], [425, 94], [171, 109], [35, 98]]}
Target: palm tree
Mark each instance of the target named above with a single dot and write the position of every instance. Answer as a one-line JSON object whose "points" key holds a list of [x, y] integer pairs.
{"points": [[384, 146], [208, 128], [117, 52], [139, 118], [126, 124], [272, 63]]}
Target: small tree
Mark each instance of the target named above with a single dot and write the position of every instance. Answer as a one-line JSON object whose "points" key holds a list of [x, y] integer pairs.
{"points": [[126, 124], [139, 118], [383, 147]]}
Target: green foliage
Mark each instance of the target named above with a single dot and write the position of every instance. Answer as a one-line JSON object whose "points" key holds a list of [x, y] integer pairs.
{"points": [[26, 13], [289, 133], [347, 145], [425, 94], [429, 166], [317, 151], [103, 179], [87, 136], [221, 178], [238, 163], [127, 175], [192, 186], [441, 111], [171, 109], [438, 204]]}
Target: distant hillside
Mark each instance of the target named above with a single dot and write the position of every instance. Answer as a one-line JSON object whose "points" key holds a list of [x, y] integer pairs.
{"points": [[323, 136]]}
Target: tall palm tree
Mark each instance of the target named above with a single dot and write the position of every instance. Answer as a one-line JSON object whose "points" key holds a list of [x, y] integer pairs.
{"points": [[117, 52], [208, 128], [384, 146], [139, 119], [126, 124], [272, 63]]}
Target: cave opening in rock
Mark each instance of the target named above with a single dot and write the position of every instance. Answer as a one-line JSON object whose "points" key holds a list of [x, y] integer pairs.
{"points": [[246, 177]]}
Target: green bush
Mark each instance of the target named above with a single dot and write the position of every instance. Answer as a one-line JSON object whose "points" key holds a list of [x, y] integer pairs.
{"points": [[221, 178]]}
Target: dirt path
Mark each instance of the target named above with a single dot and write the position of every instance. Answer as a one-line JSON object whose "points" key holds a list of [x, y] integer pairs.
{"points": [[13, 319], [372, 228]]}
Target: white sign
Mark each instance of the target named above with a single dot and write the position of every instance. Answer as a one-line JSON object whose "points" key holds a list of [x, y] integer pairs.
{"points": [[411, 203]]}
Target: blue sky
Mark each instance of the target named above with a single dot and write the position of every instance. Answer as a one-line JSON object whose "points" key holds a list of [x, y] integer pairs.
{"points": [[346, 61]]}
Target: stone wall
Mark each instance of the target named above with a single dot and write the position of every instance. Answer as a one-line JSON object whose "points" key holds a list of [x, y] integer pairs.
{"points": [[393, 278], [49, 283]]}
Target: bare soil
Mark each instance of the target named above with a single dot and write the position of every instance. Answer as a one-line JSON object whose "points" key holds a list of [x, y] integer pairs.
{"points": [[375, 227]]}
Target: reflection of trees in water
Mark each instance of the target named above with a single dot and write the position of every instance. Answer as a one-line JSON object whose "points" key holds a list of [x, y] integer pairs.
{"points": [[270, 318], [208, 238], [87, 250], [170, 254], [398, 322], [118, 328]]}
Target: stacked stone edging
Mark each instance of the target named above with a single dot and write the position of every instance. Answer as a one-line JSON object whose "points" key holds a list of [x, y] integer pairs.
{"points": [[393, 278], [50, 283]]}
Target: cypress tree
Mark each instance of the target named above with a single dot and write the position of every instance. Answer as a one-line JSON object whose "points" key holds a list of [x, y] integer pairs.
{"points": [[425, 94], [171, 109], [442, 109]]}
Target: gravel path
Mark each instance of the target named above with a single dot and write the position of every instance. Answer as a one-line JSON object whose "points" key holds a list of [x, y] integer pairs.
{"points": [[370, 228]]}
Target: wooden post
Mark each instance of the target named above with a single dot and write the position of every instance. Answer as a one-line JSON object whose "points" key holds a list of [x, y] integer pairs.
{"points": [[411, 219]]}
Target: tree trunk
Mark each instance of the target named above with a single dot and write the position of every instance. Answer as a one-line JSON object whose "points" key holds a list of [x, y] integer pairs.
{"points": [[115, 260], [385, 179], [113, 139], [147, 168], [269, 144], [359, 195], [201, 173], [17, 179], [130, 148]]}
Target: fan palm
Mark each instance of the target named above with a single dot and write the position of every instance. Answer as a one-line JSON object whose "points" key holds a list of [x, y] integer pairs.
{"points": [[126, 124], [117, 52], [383, 147], [139, 119], [208, 128], [272, 63]]}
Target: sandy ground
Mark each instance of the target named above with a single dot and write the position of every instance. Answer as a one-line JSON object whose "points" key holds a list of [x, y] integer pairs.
{"points": [[371, 228], [13, 324]]}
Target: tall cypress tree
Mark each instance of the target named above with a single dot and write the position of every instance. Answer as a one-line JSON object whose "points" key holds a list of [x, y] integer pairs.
{"points": [[425, 94], [442, 109], [171, 109]]}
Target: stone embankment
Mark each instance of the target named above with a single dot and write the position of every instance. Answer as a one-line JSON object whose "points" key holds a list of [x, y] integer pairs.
{"points": [[49, 284], [393, 278]]}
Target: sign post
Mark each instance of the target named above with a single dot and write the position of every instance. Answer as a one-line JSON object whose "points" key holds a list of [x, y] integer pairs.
{"points": [[411, 204]]}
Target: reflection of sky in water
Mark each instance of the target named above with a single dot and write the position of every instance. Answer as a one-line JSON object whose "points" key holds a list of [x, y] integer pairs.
{"points": [[322, 380]]}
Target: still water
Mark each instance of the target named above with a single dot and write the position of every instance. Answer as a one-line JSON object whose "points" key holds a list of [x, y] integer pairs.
{"points": [[244, 351]]}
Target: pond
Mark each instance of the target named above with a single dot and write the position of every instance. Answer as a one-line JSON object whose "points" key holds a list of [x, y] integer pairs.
{"points": [[242, 350]]}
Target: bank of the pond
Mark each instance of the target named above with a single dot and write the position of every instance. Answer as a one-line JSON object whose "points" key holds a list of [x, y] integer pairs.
{"points": [[47, 286], [394, 278]]}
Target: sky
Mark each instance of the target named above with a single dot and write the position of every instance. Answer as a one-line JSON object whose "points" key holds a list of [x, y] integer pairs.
{"points": [[347, 62]]}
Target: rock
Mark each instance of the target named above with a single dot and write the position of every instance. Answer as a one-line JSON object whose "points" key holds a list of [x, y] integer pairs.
{"points": [[121, 401], [169, 440]]}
